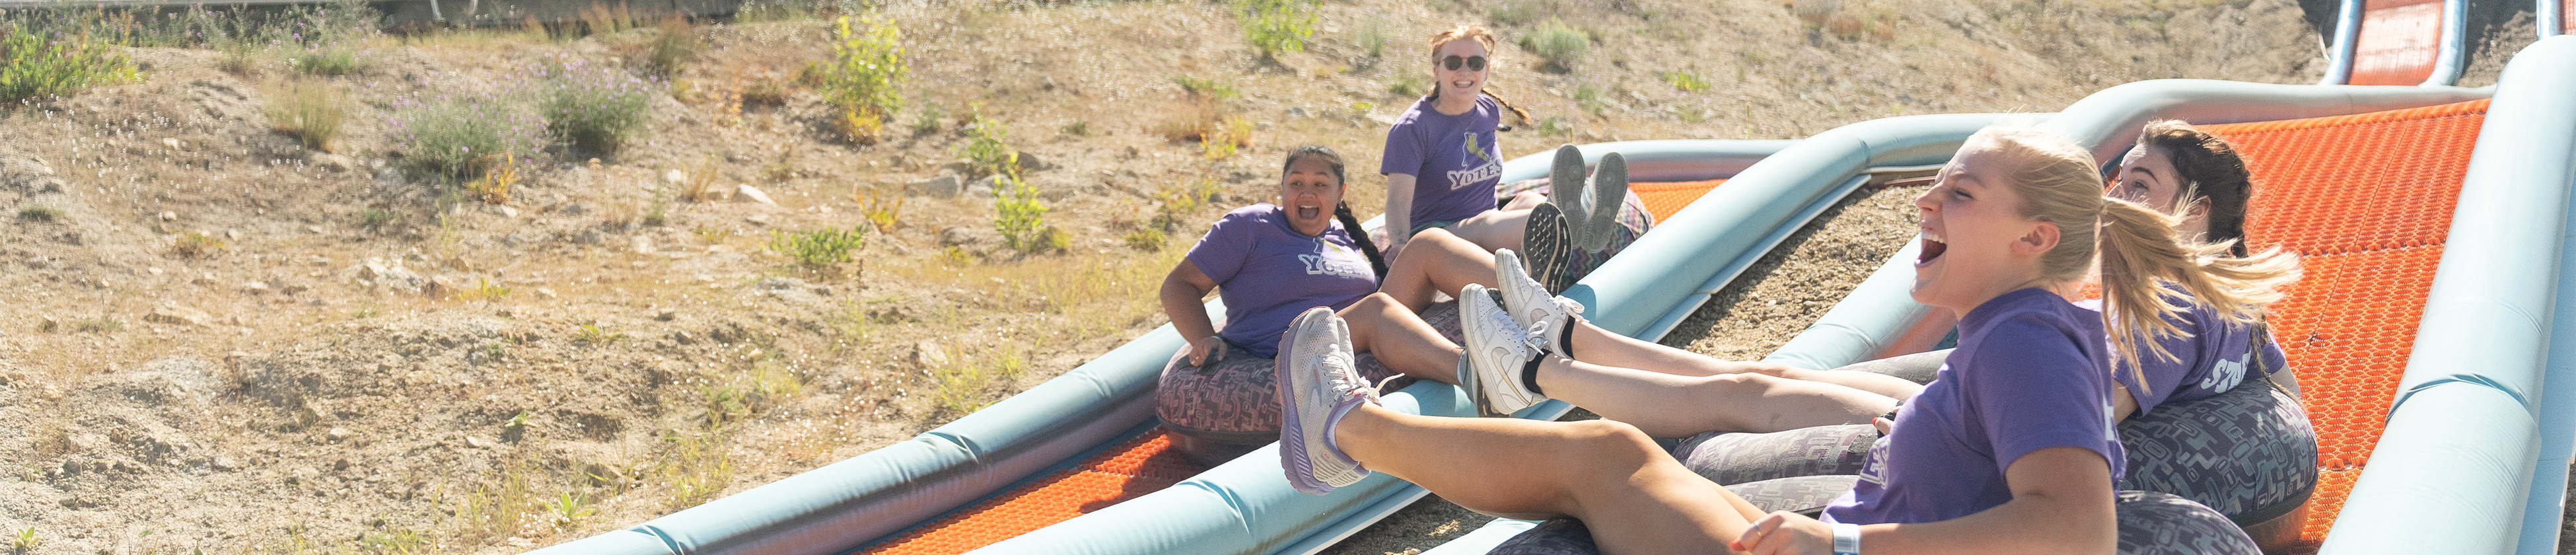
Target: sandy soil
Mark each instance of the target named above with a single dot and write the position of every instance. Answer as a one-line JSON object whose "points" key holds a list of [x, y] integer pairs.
{"points": [[363, 367]]}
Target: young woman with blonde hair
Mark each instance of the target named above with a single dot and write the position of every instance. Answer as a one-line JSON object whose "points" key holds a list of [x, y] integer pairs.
{"points": [[2010, 450]]}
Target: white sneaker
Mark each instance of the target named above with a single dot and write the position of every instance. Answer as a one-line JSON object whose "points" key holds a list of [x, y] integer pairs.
{"points": [[1530, 304], [1317, 386], [1498, 349]]}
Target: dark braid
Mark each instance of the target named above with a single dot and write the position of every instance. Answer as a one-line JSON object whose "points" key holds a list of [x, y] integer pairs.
{"points": [[1342, 211], [1507, 105], [1352, 224]]}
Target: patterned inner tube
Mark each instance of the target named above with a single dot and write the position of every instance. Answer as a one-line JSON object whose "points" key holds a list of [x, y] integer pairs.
{"points": [[1220, 412], [2151, 523]]}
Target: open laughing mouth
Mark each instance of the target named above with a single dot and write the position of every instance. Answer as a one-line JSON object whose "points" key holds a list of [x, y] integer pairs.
{"points": [[1932, 248], [1309, 212]]}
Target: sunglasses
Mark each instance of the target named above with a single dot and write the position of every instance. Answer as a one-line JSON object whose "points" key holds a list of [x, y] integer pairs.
{"points": [[1476, 63]]}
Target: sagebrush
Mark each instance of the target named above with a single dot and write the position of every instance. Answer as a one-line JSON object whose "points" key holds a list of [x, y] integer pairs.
{"points": [[594, 109], [33, 65]]}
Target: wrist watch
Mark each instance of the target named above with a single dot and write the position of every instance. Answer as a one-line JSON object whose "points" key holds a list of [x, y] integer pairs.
{"points": [[1846, 538]]}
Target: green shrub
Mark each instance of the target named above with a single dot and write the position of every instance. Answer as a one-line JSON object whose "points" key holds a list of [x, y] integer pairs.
{"points": [[1204, 87], [1275, 26], [39, 213], [1021, 217], [1373, 35], [1554, 126], [333, 61], [195, 245], [985, 151], [377, 218], [1560, 44], [308, 110], [820, 248], [1409, 84], [867, 70], [461, 138], [32, 65], [1686, 81], [596, 109]]}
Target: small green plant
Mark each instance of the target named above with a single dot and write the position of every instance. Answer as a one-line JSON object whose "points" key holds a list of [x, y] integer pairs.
{"points": [[568, 509], [100, 324], [880, 208], [866, 75], [820, 248], [927, 120], [984, 150], [1276, 26], [1148, 239], [484, 290], [1221, 141], [196, 245], [329, 61], [494, 351], [1078, 128], [1407, 85], [25, 540], [1589, 98], [1560, 44], [453, 137], [33, 65], [1686, 81], [657, 211], [1554, 126], [1205, 88], [596, 109], [494, 187], [1373, 34], [1021, 217], [378, 218], [310, 111], [39, 213], [399, 542], [694, 466], [593, 335]]}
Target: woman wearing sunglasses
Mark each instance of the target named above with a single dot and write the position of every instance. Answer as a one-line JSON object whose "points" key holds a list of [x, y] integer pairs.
{"points": [[1441, 161]]}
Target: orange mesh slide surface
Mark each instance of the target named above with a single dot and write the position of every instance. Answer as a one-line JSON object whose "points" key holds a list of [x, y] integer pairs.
{"points": [[2398, 42], [1666, 198], [2367, 200], [1140, 466]]}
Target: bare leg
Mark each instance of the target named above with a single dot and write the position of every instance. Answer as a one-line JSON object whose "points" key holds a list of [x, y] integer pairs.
{"points": [[1598, 346], [1437, 261], [1666, 405], [1494, 229], [1636, 498], [1400, 338]]}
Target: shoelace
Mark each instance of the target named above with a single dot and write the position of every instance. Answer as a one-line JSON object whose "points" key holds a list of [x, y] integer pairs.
{"points": [[1345, 383]]}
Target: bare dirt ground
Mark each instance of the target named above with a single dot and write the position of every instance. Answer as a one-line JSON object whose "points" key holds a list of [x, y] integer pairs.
{"points": [[362, 366]]}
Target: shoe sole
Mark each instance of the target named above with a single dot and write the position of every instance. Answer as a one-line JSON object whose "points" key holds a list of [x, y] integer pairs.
{"points": [[1546, 247], [1487, 356], [1524, 306], [1566, 186], [1609, 193], [1299, 438]]}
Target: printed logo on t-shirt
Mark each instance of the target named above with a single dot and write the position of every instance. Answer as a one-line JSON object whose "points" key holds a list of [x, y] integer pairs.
{"points": [[2226, 374], [1335, 260], [1488, 168], [1870, 470]]}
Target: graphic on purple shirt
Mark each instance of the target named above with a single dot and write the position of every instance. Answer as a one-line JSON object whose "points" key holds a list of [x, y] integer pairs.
{"points": [[2029, 374], [1453, 159], [2216, 357], [1267, 273]]}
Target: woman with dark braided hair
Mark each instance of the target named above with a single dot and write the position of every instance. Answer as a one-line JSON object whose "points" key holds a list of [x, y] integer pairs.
{"points": [[1270, 262]]}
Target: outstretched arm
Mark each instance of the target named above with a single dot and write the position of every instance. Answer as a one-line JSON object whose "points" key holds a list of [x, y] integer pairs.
{"points": [[2062, 503]]}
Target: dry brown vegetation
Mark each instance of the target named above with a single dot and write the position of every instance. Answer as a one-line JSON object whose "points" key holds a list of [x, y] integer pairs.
{"points": [[237, 331]]}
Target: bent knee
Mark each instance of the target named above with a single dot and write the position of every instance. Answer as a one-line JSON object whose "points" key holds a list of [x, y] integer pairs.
{"points": [[1611, 437]]}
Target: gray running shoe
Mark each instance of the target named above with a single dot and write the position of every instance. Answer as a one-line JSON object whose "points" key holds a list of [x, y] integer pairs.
{"points": [[1565, 182], [1317, 385], [1550, 247], [1608, 193]]}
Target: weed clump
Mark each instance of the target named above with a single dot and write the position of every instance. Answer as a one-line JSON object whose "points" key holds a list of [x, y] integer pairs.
{"points": [[984, 150], [308, 110], [820, 248], [1021, 217], [32, 65], [39, 213], [674, 44], [1686, 81], [1560, 44], [195, 245], [596, 109], [453, 137], [494, 187], [880, 208], [1275, 26], [864, 79]]}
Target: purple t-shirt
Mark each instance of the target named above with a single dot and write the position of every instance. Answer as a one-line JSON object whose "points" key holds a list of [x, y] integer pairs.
{"points": [[2029, 374], [1267, 273], [1453, 159], [2216, 357]]}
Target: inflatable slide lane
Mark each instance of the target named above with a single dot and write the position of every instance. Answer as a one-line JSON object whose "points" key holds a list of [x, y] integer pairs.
{"points": [[2433, 240]]}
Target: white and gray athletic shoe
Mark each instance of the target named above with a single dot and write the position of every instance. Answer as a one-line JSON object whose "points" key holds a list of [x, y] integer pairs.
{"points": [[1531, 305], [1607, 193], [1317, 385], [1498, 348]]}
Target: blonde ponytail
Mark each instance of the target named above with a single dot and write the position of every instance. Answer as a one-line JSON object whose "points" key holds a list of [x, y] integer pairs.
{"points": [[2140, 253]]}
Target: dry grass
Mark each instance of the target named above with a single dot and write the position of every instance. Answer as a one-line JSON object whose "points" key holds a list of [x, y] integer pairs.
{"points": [[311, 110]]}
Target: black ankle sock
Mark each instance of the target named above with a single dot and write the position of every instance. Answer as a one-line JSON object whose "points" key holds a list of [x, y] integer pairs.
{"points": [[1529, 374], [1565, 338]]}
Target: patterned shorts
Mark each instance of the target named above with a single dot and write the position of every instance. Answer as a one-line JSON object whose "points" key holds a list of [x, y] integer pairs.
{"points": [[1232, 407], [2150, 524]]}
